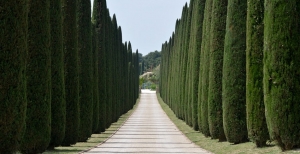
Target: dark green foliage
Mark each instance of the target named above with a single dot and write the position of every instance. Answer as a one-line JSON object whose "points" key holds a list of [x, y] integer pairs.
{"points": [[99, 19], [113, 72], [188, 80], [281, 71], [85, 71], [58, 102], [196, 40], [66, 56], [188, 57], [130, 93], [114, 93], [95, 77], [256, 121], [142, 68], [217, 34], [38, 117], [109, 68], [102, 79], [234, 73], [204, 69], [182, 64], [172, 72], [13, 47], [136, 79], [72, 73], [121, 73], [130, 75], [151, 60], [126, 90]]}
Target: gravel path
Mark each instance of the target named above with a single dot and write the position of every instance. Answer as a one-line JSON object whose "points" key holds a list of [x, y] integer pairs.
{"points": [[148, 131]]}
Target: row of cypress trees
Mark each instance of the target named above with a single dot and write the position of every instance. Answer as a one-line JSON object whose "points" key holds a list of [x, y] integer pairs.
{"points": [[63, 74], [230, 70]]}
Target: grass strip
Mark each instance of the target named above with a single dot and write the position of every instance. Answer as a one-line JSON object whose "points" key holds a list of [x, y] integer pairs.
{"points": [[214, 145]]}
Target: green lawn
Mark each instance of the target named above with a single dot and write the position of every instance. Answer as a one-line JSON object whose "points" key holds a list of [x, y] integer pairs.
{"points": [[215, 146]]}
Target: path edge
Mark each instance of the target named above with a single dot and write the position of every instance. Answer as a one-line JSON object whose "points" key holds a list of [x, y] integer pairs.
{"points": [[157, 97], [133, 110]]}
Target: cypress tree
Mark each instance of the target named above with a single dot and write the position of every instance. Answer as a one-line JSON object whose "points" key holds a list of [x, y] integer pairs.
{"points": [[256, 121], [96, 110], [102, 70], [122, 78], [126, 90], [182, 64], [196, 40], [108, 55], [119, 71], [13, 47], [38, 117], [58, 102], [188, 65], [72, 73], [137, 75], [85, 65], [129, 58], [163, 69], [170, 49], [130, 84], [172, 62], [175, 92], [204, 65], [281, 71], [99, 19], [114, 80], [234, 73], [184, 59], [218, 26]]}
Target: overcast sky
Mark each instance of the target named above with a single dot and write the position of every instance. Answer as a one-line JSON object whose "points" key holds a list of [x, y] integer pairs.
{"points": [[146, 23]]}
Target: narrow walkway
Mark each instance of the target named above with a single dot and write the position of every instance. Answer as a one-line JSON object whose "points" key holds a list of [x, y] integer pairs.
{"points": [[148, 130]]}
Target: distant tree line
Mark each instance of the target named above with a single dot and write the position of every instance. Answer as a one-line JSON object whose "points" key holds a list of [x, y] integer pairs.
{"points": [[149, 62], [63, 74], [230, 70]]}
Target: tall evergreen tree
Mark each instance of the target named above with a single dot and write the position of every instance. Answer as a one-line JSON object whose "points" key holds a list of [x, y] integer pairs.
{"points": [[85, 61], [188, 65], [234, 73], [13, 46], [99, 19], [281, 71], [122, 73], [72, 73], [95, 77], [218, 26], [256, 121], [129, 58], [113, 71], [126, 90], [137, 74], [95, 42], [182, 63], [58, 102], [38, 117], [204, 67], [109, 81], [196, 40]]}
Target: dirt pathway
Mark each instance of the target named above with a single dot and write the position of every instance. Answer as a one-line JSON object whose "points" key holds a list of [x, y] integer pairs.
{"points": [[148, 130]]}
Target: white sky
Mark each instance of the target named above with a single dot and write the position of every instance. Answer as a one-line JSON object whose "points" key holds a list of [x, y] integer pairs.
{"points": [[146, 23]]}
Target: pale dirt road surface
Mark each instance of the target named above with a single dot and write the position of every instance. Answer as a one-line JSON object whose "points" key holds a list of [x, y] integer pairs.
{"points": [[148, 131]]}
